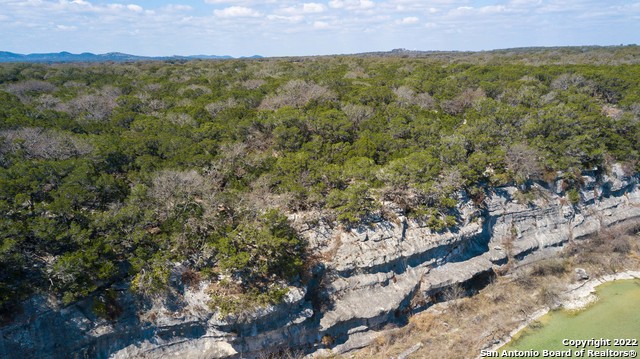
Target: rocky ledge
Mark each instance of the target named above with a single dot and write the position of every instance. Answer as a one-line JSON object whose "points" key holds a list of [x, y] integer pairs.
{"points": [[370, 277]]}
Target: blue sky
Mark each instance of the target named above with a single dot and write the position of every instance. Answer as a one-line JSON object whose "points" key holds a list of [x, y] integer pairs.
{"points": [[314, 27]]}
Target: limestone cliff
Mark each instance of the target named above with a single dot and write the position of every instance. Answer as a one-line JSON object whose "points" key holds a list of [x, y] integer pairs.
{"points": [[368, 277]]}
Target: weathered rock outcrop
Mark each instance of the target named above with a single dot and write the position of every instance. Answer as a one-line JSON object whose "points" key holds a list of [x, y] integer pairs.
{"points": [[371, 276]]}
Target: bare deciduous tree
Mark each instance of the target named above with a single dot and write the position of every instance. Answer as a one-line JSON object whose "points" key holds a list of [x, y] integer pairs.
{"points": [[153, 87], [522, 161], [170, 185], [152, 105], [297, 93], [181, 119], [98, 106], [175, 190], [565, 81], [215, 107], [196, 90], [611, 111], [74, 84], [47, 102], [26, 90], [424, 100], [357, 113], [253, 84], [448, 182], [406, 96], [463, 101], [44, 144], [356, 72]]}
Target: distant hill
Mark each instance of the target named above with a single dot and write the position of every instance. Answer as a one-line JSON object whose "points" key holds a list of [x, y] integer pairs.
{"points": [[90, 57], [562, 54]]}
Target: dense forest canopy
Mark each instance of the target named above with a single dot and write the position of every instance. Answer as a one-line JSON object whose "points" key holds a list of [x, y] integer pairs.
{"points": [[116, 171]]}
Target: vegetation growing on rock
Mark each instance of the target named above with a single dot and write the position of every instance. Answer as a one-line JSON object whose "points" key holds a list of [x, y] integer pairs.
{"points": [[114, 171]]}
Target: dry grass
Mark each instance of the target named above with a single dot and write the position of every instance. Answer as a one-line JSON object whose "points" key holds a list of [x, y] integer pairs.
{"points": [[461, 328]]}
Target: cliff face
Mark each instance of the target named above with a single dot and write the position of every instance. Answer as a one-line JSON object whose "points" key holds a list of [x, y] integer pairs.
{"points": [[369, 277]]}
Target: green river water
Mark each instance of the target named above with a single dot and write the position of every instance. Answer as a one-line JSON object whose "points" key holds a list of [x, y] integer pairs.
{"points": [[615, 316]]}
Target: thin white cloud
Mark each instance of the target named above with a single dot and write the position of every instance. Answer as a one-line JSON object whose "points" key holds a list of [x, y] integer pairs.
{"points": [[225, 2], [461, 11], [176, 8], [236, 11], [114, 8], [312, 7], [336, 4], [365, 4], [408, 20], [303, 9], [247, 3], [291, 19], [492, 9], [277, 27], [135, 8], [351, 4], [66, 27]]}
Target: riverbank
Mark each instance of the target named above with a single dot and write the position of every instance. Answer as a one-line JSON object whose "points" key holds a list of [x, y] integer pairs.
{"points": [[462, 327], [578, 296]]}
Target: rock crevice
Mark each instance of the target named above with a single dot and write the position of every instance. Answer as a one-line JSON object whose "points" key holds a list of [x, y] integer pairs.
{"points": [[372, 276]]}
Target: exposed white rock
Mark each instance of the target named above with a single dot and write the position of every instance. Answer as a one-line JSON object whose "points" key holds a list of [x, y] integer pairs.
{"points": [[370, 276], [405, 354]]}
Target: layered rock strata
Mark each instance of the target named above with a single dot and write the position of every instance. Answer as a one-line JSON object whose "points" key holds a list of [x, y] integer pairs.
{"points": [[370, 277]]}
